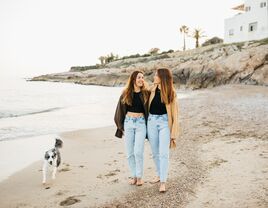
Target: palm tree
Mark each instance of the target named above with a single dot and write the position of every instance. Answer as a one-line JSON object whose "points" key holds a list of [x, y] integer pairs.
{"points": [[197, 34], [102, 59], [184, 30]]}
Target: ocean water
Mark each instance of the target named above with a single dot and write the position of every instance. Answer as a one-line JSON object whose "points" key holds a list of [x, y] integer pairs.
{"points": [[37, 108], [30, 109]]}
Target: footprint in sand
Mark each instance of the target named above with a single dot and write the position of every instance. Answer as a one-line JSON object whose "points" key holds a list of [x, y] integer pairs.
{"points": [[64, 169], [115, 181], [112, 173], [99, 176], [59, 193], [215, 131], [66, 164], [70, 200], [217, 163]]}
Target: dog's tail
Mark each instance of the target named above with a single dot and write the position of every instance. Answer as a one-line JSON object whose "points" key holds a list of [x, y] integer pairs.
{"points": [[58, 143]]}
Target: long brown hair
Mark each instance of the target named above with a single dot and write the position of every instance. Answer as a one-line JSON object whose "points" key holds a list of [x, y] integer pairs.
{"points": [[168, 92], [129, 89]]}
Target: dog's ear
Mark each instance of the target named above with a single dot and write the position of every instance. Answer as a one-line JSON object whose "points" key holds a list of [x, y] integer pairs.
{"points": [[58, 143], [46, 156]]}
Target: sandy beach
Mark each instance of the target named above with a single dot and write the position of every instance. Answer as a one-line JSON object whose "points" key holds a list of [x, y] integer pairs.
{"points": [[220, 161]]}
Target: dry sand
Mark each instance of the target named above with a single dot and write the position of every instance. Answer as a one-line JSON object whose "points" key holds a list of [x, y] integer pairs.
{"points": [[221, 161]]}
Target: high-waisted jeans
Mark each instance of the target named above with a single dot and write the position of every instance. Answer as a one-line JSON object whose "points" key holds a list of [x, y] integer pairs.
{"points": [[135, 133], [159, 138]]}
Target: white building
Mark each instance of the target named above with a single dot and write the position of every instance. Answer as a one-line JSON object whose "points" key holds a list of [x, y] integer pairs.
{"points": [[251, 23]]}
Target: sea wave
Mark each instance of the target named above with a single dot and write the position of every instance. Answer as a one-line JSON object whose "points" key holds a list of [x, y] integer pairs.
{"points": [[10, 115]]}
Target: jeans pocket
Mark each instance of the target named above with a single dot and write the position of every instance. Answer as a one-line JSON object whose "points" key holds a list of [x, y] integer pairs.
{"points": [[164, 118]]}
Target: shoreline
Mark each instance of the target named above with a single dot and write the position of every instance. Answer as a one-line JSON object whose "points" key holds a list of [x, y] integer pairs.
{"points": [[223, 136]]}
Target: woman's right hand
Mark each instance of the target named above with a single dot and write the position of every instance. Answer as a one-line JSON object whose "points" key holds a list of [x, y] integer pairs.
{"points": [[172, 143]]}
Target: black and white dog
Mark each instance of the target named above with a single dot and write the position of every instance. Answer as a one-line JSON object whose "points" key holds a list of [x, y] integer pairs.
{"points": [[52, 160]]}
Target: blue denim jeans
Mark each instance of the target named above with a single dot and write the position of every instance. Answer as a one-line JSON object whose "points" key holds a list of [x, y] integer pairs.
{"points": [[135, 133], [159, 138]]}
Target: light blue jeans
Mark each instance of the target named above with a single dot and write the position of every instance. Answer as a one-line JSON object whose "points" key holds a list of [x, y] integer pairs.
{"points": [[159, 138], [135, 133]]}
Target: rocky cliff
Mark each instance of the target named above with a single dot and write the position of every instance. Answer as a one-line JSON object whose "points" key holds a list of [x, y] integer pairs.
{"points": [[208, 66]]}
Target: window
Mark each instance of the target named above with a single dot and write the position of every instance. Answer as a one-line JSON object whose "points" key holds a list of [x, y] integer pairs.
{"points": [[247, 8], [263, 4], [231, 32], [252, 27], [241, 28]]}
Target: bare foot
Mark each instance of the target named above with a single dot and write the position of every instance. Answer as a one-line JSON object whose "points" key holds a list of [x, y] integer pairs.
{"points": [[155, 180], [139, 182], [162, 188], [132, 181]]}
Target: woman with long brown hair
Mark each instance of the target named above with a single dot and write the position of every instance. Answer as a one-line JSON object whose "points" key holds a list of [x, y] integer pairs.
{"points": [[162, 122], [131, 118]]}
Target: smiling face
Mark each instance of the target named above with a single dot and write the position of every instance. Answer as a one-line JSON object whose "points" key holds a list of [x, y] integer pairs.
{"points": [[139, 82], [135, 83], [156, 79]]}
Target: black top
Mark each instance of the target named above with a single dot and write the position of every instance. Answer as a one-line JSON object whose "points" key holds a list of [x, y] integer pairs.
{"points": [[137, 105], [157, 107], [120, 114]]}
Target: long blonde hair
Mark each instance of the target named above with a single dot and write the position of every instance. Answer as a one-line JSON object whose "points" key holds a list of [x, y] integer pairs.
{"points": [[129, 89], [168, 92]]}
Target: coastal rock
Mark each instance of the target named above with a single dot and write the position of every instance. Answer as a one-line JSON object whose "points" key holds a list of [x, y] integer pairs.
{"points": [[204, 67]]}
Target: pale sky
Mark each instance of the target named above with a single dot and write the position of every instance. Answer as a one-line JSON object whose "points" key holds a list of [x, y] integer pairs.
{"points": [[46, 36]]}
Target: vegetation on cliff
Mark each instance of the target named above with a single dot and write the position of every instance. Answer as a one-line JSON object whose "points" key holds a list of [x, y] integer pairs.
{"points": [[208, 66]]}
